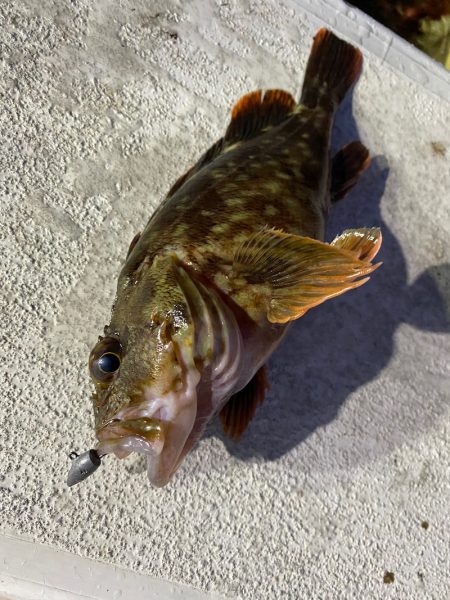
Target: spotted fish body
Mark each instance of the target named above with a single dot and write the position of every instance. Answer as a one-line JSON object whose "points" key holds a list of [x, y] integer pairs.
{"points": [[233, 254]]}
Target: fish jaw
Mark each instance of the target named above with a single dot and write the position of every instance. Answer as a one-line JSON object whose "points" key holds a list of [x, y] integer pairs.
{"points": [[157, 427]]}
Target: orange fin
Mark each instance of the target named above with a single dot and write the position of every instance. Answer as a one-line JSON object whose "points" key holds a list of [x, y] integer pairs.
{"points": [[240, 408], [250, 115], [297, 273], [333, 67], [347, 165], [363, 243], [255, 112]]}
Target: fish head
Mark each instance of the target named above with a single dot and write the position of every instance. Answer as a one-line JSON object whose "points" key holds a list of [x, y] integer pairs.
{"points": [[144, 373]]}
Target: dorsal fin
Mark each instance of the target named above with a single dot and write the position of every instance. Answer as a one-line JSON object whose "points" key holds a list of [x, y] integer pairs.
{"points": [[240, 408], [255, 112], [251, 114]]}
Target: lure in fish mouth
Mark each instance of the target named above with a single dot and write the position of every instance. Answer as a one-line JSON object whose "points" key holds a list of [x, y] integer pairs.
{"points": [[231, 257]]}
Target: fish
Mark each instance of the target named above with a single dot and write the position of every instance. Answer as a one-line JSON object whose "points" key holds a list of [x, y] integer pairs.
{"points": [[232, 256]]}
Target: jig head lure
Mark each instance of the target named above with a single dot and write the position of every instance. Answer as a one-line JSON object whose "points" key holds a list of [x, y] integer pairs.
{"points": [[82, 466]]}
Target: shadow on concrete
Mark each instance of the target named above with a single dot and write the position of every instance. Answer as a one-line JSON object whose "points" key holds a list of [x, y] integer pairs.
{"points": [[346, 342]]}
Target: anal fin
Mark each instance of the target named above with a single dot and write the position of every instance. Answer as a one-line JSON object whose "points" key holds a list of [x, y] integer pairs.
{"points": [[240, 408], [347, 166]]}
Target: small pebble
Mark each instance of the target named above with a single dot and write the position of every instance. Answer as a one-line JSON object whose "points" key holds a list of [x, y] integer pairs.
{"points": [[388, 577]]}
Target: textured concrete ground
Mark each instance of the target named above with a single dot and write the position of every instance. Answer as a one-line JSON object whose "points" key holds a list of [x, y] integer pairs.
{"points": [[344, 473]]}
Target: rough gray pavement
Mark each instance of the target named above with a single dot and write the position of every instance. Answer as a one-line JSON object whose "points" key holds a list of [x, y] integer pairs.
{"points": [[103, 105]]}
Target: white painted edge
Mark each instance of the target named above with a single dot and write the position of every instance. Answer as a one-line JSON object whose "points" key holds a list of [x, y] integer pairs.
{"points": [[31, 571], [379, 41]]}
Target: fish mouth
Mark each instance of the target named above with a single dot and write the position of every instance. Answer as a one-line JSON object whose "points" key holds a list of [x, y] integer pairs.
{"points": [[157, 427], [122, 437]]}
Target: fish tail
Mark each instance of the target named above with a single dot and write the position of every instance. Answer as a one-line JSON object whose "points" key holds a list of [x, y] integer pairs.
{"points": [[333, 67]]}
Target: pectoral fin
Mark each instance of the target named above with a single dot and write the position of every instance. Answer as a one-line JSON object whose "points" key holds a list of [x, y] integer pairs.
{"points": [[297, 273], [240, 408], [363, 243]]}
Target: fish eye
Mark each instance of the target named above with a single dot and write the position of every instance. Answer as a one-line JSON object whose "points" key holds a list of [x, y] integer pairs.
{"points": [[105, 360], [109, 362]]}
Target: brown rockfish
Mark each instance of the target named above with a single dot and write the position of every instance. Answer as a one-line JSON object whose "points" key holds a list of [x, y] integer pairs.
{"points": [[233, 254]]}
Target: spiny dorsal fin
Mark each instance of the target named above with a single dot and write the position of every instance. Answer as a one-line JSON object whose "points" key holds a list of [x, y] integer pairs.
{"points": [[299, 273], [240, 408], [249, 116], [255, 112], [346, 167]]}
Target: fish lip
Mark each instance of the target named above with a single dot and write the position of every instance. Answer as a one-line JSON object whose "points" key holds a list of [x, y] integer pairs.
{"points": [[148, 428], [124, 446], [116, 437], [110, 433], [149, 408], [126, 432]]}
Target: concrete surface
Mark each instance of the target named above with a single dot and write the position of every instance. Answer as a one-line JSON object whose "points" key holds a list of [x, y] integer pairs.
{"points": [[103, 105]]}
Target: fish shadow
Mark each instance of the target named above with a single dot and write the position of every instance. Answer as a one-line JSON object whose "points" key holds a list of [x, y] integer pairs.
{"points": [[345, 343]]}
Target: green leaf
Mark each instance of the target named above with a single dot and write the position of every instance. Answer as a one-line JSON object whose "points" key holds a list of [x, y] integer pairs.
{"points": [[434, 39]]}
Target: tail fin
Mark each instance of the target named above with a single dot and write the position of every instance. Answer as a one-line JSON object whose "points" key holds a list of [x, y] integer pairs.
{"points": [[333, 67]]}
